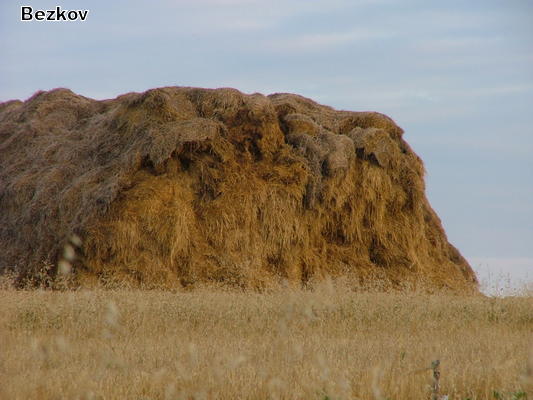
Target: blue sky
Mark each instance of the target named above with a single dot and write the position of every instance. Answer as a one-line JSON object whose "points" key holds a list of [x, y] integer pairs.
{"points": [[456, 75]]}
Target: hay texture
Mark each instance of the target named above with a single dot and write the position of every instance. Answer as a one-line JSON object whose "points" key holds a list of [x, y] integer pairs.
{"points": [[178, 185]]}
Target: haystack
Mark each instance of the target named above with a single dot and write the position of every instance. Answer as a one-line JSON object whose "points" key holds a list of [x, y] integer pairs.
{"points": [[181, 185]]}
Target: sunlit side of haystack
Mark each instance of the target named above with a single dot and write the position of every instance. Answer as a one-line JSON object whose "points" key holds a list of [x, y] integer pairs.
{"points": [[176, 186]]}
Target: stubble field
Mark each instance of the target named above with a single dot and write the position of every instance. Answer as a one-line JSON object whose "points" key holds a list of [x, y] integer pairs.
{"points": [[329, 343]]}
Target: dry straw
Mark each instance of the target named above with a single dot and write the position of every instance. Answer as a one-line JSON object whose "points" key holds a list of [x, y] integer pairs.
{"points": [[177, 186], [329, 343]]}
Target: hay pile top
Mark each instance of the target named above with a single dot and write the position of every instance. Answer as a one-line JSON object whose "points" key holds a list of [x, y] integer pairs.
{"points": [[182, 185]]}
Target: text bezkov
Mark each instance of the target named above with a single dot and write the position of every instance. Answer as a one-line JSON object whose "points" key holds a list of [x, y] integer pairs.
{"points": [[27, 14]]}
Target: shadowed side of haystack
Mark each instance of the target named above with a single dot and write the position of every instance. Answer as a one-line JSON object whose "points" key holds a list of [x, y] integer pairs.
{"points": [[182, 185]]}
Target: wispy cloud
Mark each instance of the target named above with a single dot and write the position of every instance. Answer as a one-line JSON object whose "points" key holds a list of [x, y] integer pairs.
{"points": [[316, 42], [497, 90], [460, 43]]}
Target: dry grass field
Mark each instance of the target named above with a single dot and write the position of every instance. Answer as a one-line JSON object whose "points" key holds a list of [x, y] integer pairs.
{"points": [[329, 343]]}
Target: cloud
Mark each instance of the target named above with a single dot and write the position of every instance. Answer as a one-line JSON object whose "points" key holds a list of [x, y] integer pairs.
{"points": [[315, 42], [457, 43], [225, 2], [496, 90]]}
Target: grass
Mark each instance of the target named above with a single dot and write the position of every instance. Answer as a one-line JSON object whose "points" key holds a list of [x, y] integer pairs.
{"points": [[330, 343]]}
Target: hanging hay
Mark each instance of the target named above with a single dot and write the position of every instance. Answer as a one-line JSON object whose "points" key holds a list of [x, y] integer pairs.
{"points": [[176, 186]]}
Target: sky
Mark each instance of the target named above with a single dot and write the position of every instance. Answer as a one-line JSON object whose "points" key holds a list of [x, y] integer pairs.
{"points": [[456, 76]]}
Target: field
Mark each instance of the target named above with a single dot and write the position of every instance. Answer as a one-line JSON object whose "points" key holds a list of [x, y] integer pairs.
{"points": [[329, 343]]}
